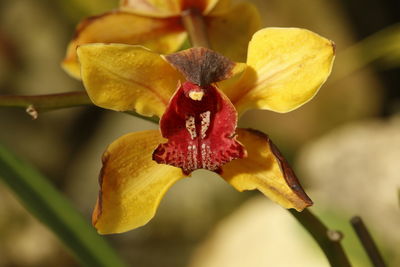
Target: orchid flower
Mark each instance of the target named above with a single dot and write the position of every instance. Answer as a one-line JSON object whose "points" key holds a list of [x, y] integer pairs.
{"points": [[199, 94], [160, 26]]}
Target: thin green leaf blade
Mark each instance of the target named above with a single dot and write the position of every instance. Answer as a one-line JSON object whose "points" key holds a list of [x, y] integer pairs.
{"points": [[54, 210]]}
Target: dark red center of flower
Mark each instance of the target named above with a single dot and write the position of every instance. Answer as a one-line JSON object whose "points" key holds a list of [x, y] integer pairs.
{"points": [[199, 124]]}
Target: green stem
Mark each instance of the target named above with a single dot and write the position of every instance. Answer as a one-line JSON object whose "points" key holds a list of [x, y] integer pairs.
{"points": [[195, 26], [33, 104], [382, 46], [367, 242], [46, 102], [328, 240]]}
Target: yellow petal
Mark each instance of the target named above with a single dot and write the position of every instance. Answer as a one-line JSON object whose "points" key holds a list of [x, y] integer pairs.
{"points": [[131, 183], [159, 35], [126, 77], [266, 170], [287, 66], [153, 8], [222, 6], [230, 32], [162, 8]]}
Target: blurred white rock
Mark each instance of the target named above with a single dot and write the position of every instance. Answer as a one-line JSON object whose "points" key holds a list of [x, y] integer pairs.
{"points": [[355, 170], [259, 233]]}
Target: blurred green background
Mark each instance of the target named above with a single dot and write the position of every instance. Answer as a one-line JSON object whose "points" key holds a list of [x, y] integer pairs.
{"points": [[344, 145]]}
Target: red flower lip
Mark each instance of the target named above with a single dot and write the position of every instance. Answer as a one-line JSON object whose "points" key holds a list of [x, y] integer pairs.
{"points": [[201, 133], [200, 121]]}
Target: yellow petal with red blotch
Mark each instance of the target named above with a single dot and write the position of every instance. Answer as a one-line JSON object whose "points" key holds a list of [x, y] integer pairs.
{"points": [[166, 8], [266, 170], [127, 77], [159, 35], [230, 32], [287, 66], [131, 183], [153, 8]]}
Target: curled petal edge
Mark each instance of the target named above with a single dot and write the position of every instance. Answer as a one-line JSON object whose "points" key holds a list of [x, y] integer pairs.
{"points": [[267, 170]]}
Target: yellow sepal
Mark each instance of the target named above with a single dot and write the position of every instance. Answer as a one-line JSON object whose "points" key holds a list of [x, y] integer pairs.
{"points": [[131, 183], [164, 9], [159, 35], [126, 78]]}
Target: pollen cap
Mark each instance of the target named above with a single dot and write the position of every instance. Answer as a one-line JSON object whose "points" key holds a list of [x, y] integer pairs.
{"points": [[202, 66]]}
